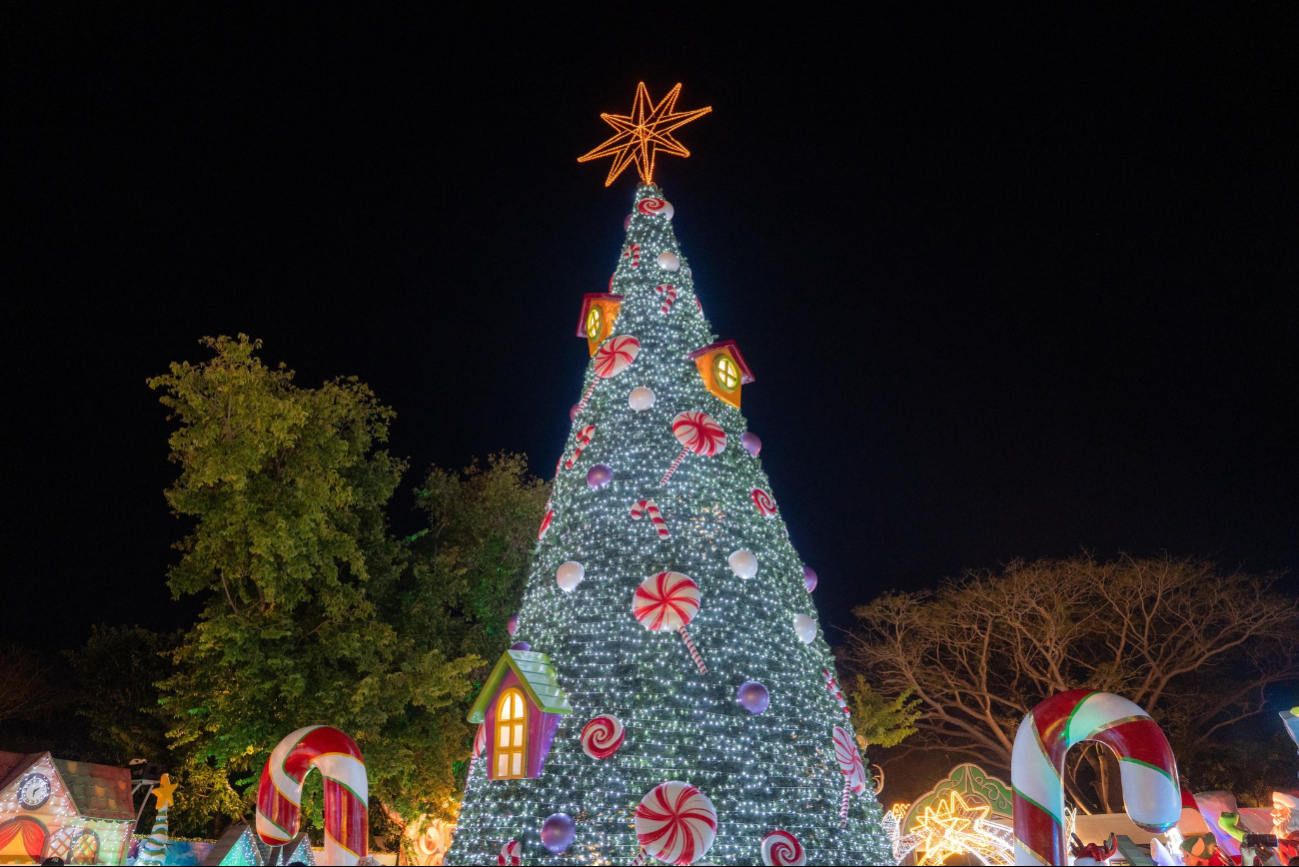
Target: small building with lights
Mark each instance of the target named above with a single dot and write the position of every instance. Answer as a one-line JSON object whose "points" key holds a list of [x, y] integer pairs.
{"points": [[53, 808], [599, 312], [723, 370], [520, 704]]}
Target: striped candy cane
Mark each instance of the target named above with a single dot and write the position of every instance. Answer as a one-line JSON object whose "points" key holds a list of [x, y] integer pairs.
{"points": [[347, 792], [694, 651], [649, 507], [1148, 770], [669, 294], [633, 253], [583, 440], [832, 685]]}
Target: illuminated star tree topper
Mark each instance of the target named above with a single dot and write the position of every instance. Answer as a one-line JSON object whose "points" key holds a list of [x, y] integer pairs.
{"points": [[643, 133]]}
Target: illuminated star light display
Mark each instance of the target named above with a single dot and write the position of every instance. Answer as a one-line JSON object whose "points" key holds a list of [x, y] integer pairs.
{"points": [[953, 827], [643, 133]]}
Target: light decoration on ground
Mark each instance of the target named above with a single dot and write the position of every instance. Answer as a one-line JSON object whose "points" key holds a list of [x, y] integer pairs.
{"points": [[643, 133], [953, 827]]}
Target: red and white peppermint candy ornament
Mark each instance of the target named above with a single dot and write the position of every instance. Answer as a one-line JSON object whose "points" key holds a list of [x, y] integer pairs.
{"points": [[602, 736], [698, 433], [545, 523], [656, 206], [676, 823], [511, 854], [765, 504], [849, 759], [613, 357], [782, 849], [667, 602]]}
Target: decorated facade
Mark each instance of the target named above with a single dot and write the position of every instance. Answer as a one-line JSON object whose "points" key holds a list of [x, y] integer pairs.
{"points": [[683, 707], [52, 808]]}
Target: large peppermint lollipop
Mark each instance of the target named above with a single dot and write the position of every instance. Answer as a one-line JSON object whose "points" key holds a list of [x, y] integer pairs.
{"points": [[602, 736], [850, 763], [675, 823], [782, 849], [666, 602], [698, 433], [611, 359]]}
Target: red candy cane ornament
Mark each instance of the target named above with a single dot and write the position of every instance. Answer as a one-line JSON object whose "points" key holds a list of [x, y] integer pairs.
{"points": [[669, 294], [698, 433], [1151, 795], [583, 440], [347, 792], [667, 602], [833, 685], [675, 823], [649, 507], [511, 855], [633, 253]]}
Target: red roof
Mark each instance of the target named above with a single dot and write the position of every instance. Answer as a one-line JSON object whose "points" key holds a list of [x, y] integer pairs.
{"points": [[586, 305], [746, 375]]}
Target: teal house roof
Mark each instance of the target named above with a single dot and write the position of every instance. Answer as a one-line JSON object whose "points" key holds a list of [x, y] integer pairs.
{"points": [[538, 679]]}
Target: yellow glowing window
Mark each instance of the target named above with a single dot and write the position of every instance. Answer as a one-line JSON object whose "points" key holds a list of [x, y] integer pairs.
{"points": [[726, 372], [594, 322], [511, 728]]}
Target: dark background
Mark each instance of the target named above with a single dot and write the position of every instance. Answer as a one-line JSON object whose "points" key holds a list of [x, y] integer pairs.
{"points": [[1014, 282]]}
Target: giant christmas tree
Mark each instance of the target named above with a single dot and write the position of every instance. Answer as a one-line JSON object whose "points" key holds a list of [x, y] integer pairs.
{"points": [[662, 531]]}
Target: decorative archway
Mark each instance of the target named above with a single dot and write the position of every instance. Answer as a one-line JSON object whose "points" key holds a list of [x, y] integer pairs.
{"points": [[20, 836]]}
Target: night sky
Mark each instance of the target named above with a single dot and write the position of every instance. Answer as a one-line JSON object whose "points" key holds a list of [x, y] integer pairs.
{"points": [[1017, 284]]}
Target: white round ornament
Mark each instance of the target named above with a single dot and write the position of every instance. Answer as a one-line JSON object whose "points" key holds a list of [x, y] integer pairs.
{"points": [[569, 575], [641, 398], [668, 261], [805, 627], [743, 564]]}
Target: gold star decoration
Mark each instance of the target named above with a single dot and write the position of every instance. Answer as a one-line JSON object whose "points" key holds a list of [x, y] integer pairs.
{"points": [[643, 133], [956, 826], [165, 791]]}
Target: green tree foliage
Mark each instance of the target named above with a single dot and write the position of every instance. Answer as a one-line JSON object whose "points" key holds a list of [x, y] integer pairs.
{"points": [[880, 721]]}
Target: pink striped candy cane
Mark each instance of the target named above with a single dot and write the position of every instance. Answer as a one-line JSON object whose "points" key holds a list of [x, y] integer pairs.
{"points": [[669, 294], [694, 651], [832, 685], [583, 440], [649, 507], [633, 253], [347, 792]]}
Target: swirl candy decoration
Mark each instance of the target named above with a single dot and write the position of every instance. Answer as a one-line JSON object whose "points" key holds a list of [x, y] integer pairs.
{"points": [[511, 854], [669, 601], [602, 736], [850, 763], [763, 501], [611, 359], [583, 440], [698, 433], [657, 206], [1148, 770], [675, 823], [782, 849], [347, 792]]}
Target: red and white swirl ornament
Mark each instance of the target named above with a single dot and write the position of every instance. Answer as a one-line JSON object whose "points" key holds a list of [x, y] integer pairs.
{"points": [[1151, 793], [765, 505], [852, 767], [583, 440], [833, 685], [698, 433], [650, 508], [669, 294], [545, 523], [613, 357], [667, 602], [511, 855], [633, 253], [656, 207], [675, 824], [782, 849], [347, 792], [602, 736]]}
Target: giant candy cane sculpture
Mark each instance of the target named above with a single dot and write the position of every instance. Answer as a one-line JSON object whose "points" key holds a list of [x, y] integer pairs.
{"points": [[347, 792], [1151, 794]]}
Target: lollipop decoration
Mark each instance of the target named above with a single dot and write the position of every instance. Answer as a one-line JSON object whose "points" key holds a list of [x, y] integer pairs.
{"points": [[669, 601], [765, 504], [833, 685], [669, 294], [675, 823], [511, 854], [782, 849], [649, 507], [698, 433], [656, 206], [602, 736], [611, 359], [633, 253], [854, 770], [583, 440]]}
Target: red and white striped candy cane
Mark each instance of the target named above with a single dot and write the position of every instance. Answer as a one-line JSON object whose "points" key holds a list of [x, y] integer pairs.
{"points": [[511, 854], [633, 253], [1148, 770], [669, 294], [649, 507], [694, 651], [583, 440], [347, 792], [833, 685]]}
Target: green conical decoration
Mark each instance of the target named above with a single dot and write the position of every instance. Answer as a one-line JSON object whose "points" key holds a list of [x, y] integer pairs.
{"points": [[153, 849]]}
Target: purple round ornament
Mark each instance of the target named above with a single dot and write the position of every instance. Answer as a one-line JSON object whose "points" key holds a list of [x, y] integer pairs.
{"points": [[809, 578], [572, 412], [557, 832], [512, 625], [599, 476], [751, 443], [626, 223], [753, 697], [520, 645]]}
